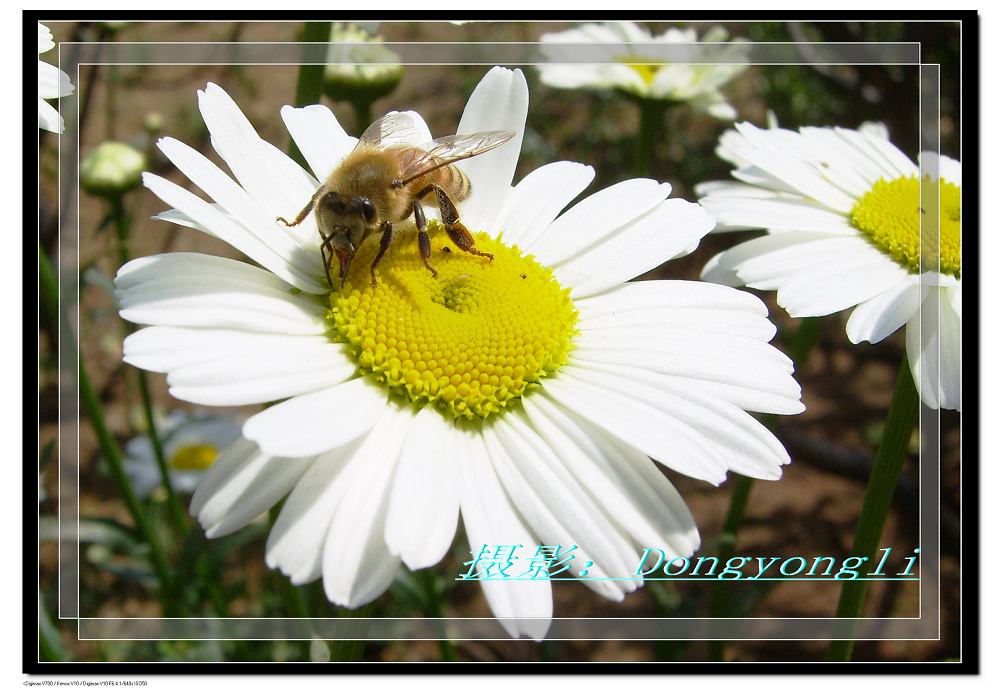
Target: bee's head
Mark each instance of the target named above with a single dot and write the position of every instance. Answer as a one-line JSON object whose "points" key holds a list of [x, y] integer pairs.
{"points": [[343, 220]]}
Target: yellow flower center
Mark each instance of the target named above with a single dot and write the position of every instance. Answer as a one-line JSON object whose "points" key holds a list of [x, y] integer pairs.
{"points": [[645, 67], [891, 216], [471, 340], [197, 456]]}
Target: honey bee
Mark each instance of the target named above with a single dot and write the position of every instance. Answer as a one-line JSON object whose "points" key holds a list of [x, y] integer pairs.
{"points": [[383, 182]]}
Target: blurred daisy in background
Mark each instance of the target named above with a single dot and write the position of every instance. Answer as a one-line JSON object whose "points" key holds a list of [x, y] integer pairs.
{"points": [[843, 214], [359, 69], [647, 66], [526, 395], [191, 445], [53, 83]]}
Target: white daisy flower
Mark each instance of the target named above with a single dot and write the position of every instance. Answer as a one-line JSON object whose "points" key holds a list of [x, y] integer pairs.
{"points": [[638, 64], [191, 445], [525, 395], [53, 83], [843, 213]]}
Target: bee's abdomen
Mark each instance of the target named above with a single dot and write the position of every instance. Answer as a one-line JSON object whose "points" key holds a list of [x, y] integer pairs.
{"points": [[455, 183]]}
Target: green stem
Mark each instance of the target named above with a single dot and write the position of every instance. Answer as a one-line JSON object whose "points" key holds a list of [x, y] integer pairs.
{"points": [[651, 113], [899, 424], [309, 86], [720, 599], [91, 405], [431, 595], [350, 650], [362, 114], [122, 224]]}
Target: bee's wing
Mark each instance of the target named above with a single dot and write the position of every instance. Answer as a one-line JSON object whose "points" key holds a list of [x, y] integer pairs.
{"points": [[446, 150], [394, 128]]}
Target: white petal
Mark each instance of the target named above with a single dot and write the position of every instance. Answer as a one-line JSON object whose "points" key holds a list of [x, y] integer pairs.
{"points": [[848, 161], [318, 135], [840, 283], [734, 360], [783, 213], [357, 565], [894, 159], [538, 198], [225, 367], [745, 444], [950, 170], [935, 352], [643, 244], [954, 295], [499, 102], [273, 180], [642, 424], [883, 314], [522, 607], [242, 484], [264, 376], [295, 545], [597, 217], [554, 504], [620, 478], [226, 228], [643, 319], [425, 497], [52, 82], [669, 294], [45, 42], [198, 290], [766, 261], [787, 156], [317, 422], [166, 348], [49, 118], [242, 208], [409, 130]]}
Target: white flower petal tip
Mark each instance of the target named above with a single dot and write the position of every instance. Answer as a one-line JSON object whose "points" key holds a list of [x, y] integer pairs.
{"points": [[499, 102], [316, 422], [671, 228], [523, 608], [357, 566], [319, 136]]}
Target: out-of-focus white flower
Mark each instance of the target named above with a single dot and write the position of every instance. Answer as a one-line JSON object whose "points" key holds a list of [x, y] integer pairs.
{"points": [[648, 66], [191, 445], [53, 83], [844, 217], [359, 66]]}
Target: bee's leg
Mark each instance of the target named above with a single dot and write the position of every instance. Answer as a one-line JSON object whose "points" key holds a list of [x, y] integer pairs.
{"points": [[423, 241], [326, 248], [383, 246], [304, 213], [449, 215]]}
